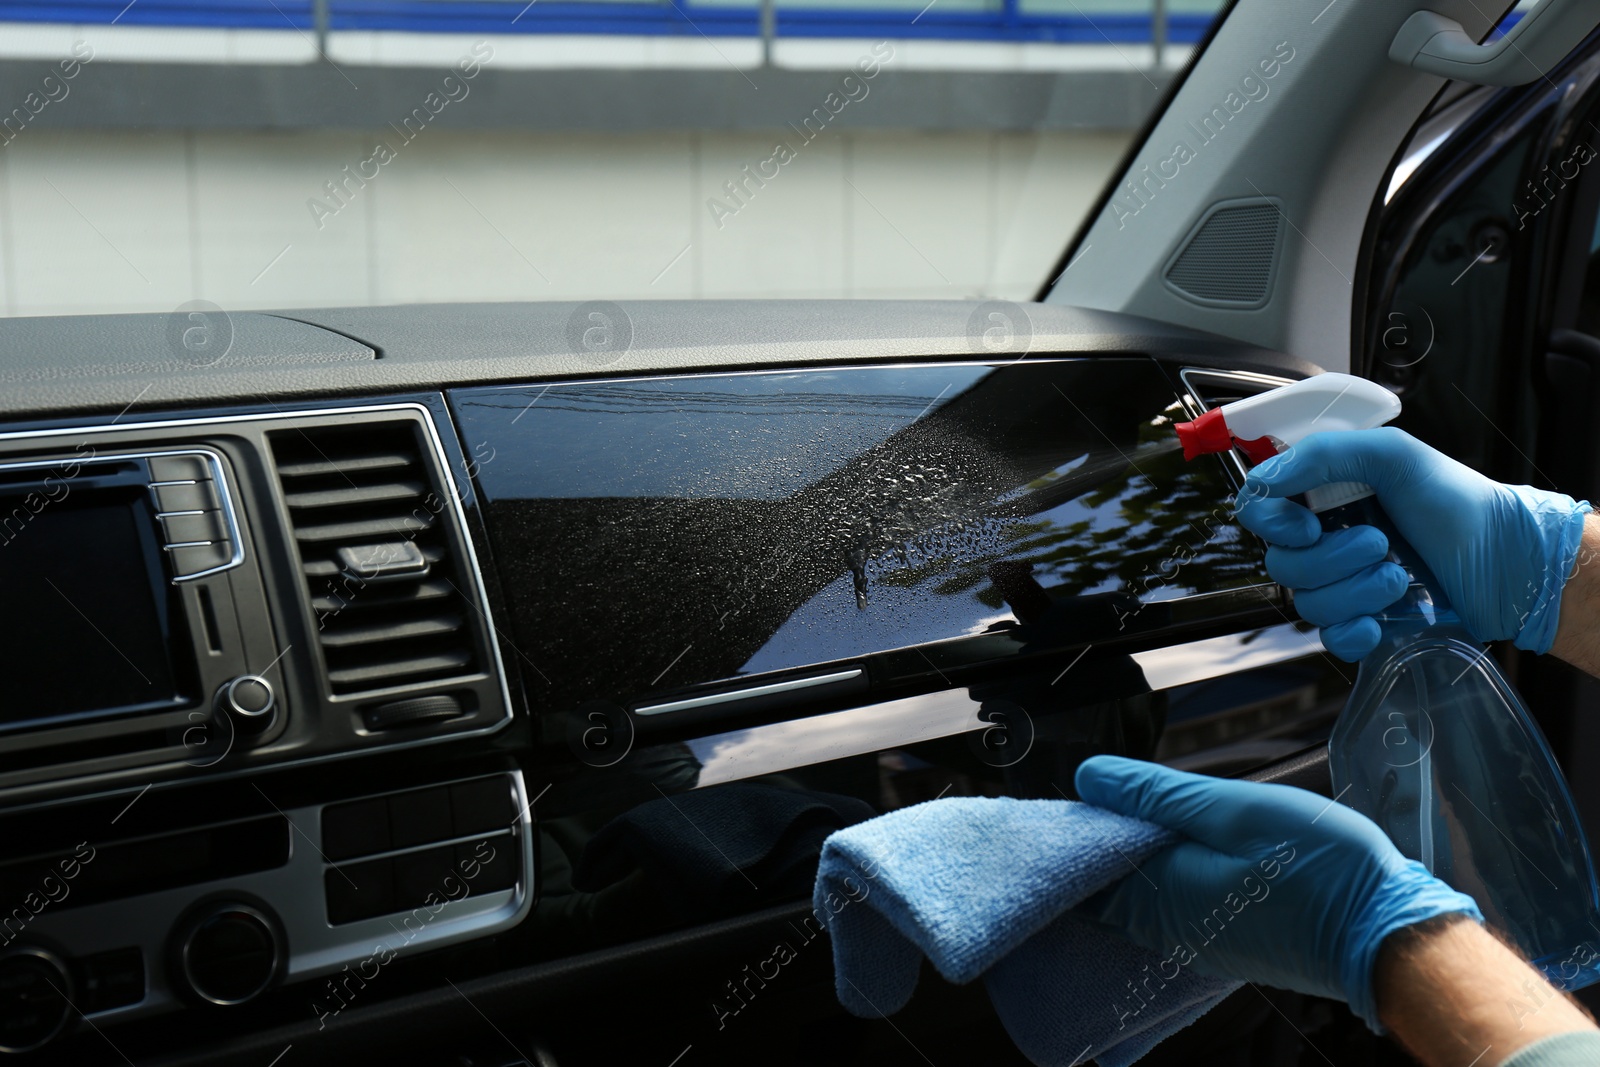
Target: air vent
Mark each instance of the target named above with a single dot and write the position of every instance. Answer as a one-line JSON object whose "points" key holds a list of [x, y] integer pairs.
{"points": [[375, 549], [1228, 259]]}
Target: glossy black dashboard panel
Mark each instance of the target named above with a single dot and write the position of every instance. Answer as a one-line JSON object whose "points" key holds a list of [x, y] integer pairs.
{"points": [[796, 598], [667, 538]]}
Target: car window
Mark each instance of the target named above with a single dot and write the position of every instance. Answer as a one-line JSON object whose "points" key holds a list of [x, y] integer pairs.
{"points": [[299, 153]]}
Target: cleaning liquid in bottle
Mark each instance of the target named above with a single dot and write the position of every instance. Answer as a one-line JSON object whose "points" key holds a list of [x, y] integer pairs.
{"points": [[1433, 744]]}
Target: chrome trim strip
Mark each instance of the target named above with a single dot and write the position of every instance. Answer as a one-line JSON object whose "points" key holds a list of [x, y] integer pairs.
{"points": [[476, 569], [784, 746], [1213, 657], [491, 835], [712, 699], [212, 460]]}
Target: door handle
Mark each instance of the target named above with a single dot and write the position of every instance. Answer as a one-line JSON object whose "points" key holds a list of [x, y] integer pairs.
{"points": [[1430, 42]]}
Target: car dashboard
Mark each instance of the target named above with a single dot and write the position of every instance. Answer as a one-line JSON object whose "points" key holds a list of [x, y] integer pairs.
{"points": [[452, 682]]}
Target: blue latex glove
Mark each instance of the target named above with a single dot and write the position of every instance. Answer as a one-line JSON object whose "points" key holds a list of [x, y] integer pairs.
{"points": [[1501, 552], [1276, 884]]}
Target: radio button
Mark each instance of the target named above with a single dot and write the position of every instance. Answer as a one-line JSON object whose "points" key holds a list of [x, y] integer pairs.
{"points": [[356, 828], [249, 703], [419, 875], [179, 469], [420, 817], [482, 806], [112, 979], [192, 559], [186, 496], [249, 694], [359, 891], [496, 861], [35, 998], [229, 953], [184, 529]]}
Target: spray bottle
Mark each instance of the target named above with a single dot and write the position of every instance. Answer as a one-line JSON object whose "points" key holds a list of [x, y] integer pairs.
{"points": [[1433, 744]]}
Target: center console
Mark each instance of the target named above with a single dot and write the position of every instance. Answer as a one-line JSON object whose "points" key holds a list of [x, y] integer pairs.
{"points": [[251, 590], [217, 914], [202, 608]]}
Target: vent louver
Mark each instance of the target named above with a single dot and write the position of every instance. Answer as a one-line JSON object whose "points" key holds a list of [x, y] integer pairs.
{"points": [[375, 552]]}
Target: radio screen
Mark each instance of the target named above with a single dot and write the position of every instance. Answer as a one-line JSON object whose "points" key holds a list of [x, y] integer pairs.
{"points": [[85, 618]]}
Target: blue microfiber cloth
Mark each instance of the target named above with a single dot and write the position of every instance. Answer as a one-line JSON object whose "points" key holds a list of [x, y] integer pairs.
{"points": [[984, 887]]}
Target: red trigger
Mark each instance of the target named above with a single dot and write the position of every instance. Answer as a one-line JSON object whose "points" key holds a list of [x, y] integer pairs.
{"points": [[1262, 448]]}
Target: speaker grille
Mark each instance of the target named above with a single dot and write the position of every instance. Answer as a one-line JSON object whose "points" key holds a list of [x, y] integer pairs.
{"points": [[1229, 258]]}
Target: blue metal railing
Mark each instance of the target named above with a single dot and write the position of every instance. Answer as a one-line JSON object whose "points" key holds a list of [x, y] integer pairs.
{"points": [[232, 14], [1008, 20]]}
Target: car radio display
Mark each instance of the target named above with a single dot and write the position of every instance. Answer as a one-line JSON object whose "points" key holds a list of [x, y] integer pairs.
{"points": [[84, 615]]}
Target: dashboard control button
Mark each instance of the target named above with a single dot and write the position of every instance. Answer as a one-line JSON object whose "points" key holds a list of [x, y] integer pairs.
{"points": [[359, 891], [387, 562], [179, 469], [413, 712], [229, 953], [186, 496], [426, 878], [419, 817], [494, 860], [358, 828], [250, 695], [249, 702], [35, 995], [192, 559], [180, 528], [481, 806], [112, 979]]}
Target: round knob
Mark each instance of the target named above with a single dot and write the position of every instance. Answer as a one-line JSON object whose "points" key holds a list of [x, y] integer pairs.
{"points": [[249, 701], [229, 953], [35, 995]]}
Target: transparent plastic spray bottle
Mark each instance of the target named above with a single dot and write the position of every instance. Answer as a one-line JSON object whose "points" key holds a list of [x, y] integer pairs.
{"points": [[1434, 745]]}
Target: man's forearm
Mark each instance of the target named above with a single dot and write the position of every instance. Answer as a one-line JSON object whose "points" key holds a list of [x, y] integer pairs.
{"points": [[1578, 627], [1454, 994]]}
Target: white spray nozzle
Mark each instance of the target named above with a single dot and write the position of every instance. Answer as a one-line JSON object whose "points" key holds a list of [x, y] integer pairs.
{"points": [[1274, 421]]}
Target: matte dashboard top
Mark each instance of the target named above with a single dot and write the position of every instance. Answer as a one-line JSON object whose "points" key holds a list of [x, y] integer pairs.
{"points": [[200, 353]]}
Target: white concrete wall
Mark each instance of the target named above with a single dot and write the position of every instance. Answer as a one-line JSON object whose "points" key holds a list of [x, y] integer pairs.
{"points": [[93, 222]]}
